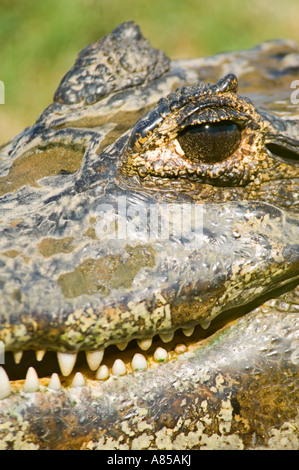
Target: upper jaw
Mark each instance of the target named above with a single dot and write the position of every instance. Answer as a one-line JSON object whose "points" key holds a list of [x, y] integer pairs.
{"points": [[235, 268]]}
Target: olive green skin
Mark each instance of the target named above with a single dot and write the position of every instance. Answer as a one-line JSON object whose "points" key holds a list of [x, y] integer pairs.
{"points": [[238, 388]]}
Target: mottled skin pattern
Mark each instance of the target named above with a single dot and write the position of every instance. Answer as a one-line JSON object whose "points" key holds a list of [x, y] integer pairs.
{"points": [[115, 130]]}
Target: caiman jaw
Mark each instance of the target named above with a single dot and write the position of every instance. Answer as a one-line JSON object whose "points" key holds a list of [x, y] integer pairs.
{"points": [[49, 371], [30, 370]]}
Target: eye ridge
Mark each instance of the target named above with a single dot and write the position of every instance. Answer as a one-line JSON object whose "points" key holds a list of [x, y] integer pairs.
{"points": [[210, 142]]}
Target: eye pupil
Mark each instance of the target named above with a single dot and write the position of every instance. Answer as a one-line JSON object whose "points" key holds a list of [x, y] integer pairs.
{"points": [[210, 142]]}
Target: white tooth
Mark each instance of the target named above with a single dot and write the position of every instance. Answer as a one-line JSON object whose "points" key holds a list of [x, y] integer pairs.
{"points": [[167, 337], [102, 373], [180, 348], [122, 346], [139, 362], [94, 358], [205, 324], [188, 331], [161, 355], [78, 380], [17, 356], [54, 383], [31, 382], [145, 343], [40, 354], [4, 384], [119, 367], [66, 362]]}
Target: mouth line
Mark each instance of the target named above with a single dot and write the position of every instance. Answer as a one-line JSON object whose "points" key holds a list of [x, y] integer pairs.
{"points": [[36, 370], [31, 371]]}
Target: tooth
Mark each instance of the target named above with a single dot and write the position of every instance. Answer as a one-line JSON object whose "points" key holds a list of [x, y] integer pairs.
{"points": [[94, 358], [188, 331], [78, 380], [145, 343], [102, 373], [167, 337], [205, 324], [40, 354], [31, 382], [119, 367], [161, 355], [4, 384], [122, 346], [66, 362], [180, 348], [139, 362], [54, 383], [17, 356]]}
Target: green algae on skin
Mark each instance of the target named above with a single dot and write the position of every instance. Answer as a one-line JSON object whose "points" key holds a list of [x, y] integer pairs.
{"points": [[109, 272], [51, 246], [38, 163]]}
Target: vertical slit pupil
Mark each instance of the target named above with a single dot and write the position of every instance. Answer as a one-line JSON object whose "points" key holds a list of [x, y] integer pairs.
{"points": [[210, 142]]}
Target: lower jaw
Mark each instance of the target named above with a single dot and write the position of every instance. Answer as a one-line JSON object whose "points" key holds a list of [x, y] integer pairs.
{"points": [[237, 389]]}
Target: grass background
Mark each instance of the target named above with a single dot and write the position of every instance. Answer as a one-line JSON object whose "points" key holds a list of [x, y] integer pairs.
{"points": [[39, 40]]}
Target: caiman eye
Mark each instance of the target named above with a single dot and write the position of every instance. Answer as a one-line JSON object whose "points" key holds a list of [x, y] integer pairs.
{"points": [[210, 142]]}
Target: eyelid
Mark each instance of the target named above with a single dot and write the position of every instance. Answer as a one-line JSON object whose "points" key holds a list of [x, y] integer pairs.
{"points": [[211, 116], [158, 128]]}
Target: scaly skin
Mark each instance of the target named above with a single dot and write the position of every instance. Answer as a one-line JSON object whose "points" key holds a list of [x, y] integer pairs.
{"points": [[72, 282]]}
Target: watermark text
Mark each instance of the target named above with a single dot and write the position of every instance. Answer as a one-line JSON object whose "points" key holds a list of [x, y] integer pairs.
{"points": [[125, 220], [295, 93]]}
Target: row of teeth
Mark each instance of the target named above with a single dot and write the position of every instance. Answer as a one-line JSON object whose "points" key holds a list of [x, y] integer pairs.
{"points": [[67, 362]]}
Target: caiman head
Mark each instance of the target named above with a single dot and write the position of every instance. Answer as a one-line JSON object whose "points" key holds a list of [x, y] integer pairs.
{"points": [[149, 260]]}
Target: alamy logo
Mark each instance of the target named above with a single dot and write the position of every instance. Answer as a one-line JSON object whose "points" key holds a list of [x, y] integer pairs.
{"points": [[295, 94], [132, 220], [2, 93]]}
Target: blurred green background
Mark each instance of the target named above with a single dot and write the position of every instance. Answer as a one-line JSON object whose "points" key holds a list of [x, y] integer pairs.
{"points": [[39, 40]]}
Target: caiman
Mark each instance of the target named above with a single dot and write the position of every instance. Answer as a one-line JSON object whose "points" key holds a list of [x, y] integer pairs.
{"points": [[149, 254]]}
